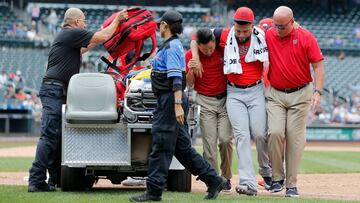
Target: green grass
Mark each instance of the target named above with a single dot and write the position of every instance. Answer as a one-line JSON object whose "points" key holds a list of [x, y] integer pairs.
{"points": [[19, 194], [330, 162], [15, 164], [315, 162], [312, 162]]}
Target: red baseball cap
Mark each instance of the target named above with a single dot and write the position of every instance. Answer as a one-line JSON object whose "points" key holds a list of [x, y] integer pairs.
{"points": [[244, 14]]}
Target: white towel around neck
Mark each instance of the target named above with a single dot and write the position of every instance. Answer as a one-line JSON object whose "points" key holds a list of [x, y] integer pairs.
{"points": [[257, 51]]}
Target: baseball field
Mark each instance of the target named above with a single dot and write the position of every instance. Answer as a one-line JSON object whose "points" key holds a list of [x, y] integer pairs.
{"points": [[330, 172]]}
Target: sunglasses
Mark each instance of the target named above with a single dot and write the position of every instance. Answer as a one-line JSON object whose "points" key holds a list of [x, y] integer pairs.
{"points": [[282, 27], [85, 21]]}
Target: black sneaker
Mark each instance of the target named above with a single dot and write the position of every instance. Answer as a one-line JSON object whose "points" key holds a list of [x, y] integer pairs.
{"points": [[245, 190], [43, 187], [227, 187], [267, 182], [52, 185], [215, 188], [291, 192], [276, 186], [145, 197]]}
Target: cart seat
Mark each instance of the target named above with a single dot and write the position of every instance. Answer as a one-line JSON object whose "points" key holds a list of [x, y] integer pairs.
{"points": [[91, 98]]}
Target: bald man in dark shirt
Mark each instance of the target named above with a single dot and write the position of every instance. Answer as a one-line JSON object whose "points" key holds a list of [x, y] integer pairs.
{"points": [[63, 62]]}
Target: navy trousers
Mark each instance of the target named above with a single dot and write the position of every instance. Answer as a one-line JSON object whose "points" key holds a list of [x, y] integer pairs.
{"points": [[171, 138], [48, 151]]}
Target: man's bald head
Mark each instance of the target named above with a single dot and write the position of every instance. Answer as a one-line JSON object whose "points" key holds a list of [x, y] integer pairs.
{"points": [[283, 20], [73, 14], [283, 12]]}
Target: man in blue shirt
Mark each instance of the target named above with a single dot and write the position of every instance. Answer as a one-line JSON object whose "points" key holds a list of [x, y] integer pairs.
{"points": [[169, 128]]}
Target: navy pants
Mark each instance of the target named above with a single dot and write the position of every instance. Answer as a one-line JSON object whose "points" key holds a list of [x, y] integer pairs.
{"points": [[170, 138], [48, 151]]}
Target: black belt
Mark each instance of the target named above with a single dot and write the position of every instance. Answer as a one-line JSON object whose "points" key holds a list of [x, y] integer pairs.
{"points": [[291, 90], [244, 86], [54, 82], [218, 96]]}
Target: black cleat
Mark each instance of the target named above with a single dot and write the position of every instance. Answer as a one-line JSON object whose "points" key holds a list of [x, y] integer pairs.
{"points": [[43, 187], [227, 187], [215, 188]]}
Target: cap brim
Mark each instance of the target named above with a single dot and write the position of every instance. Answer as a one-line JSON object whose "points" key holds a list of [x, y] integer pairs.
{"points": [[241, 20]]}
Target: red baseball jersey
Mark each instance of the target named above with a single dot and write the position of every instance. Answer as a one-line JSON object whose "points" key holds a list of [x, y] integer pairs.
{"points": [[213, 80]]}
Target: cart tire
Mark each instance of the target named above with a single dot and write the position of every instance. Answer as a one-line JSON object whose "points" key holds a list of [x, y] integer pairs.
{"points": [[74, 179]]}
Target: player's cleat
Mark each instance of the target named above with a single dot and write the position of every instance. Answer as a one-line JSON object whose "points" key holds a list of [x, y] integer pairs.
{"points": [[245, 190], [227, 187], [130, 181], [291, 192], [276, 186], [261, 183]]}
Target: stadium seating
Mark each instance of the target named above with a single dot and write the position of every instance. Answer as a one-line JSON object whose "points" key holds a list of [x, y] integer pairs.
{"points": [[340, 74], [15, 55], [324, 25], [30, 61], [2, 94], [7, 18]]}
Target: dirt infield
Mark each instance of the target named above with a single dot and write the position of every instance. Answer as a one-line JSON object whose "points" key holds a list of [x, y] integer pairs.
{"points": [[18, 152], [324, 186]]}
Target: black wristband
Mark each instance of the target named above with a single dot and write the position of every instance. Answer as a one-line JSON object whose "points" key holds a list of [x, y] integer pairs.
{"points": [[318, 91]]}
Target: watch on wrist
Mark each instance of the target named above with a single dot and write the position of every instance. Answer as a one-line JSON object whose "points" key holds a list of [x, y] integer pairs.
{"points": [[318, 91], [178, 101]]}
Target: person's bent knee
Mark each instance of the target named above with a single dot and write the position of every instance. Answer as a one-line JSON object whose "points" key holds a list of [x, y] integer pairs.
{"points": [[276, 135], [225, 140], [259, 134], [260, 137]]}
